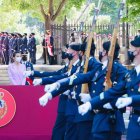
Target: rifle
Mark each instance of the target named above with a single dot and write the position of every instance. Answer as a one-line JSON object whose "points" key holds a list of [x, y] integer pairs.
{"points": [[108, 82], [90, 37]]}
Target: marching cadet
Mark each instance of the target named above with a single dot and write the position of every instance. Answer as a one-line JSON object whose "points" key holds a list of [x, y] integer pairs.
{"points": [[73, 56], [71, 109], [59, 129], [32, 48], [107, 130], [60, 123], [129, 85]]}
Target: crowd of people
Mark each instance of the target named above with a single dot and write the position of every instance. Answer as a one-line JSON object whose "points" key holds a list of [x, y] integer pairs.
{"points": [[12, 42]]}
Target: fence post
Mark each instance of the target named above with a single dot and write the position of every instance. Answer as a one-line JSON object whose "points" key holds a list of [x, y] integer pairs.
{"points": [[64, 34]]}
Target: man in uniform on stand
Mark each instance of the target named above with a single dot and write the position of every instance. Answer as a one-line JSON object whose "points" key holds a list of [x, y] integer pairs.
{"points": [[6, 48], [32, 48], [24, 44]]}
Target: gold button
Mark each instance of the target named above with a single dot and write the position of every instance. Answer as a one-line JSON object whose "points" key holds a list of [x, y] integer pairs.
{"points": [[132, 89]]}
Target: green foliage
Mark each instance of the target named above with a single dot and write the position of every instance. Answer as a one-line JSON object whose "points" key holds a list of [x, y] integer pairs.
{"points": [[33, 6]]}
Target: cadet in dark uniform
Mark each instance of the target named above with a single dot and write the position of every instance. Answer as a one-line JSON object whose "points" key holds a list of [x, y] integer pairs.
{"points": [[6, 48], [29, 67], [32, 48], [129, 85], [71, 109], [19, 42], [11, 47], [74, 58], [60, 123], [24, 44], [15, 44], [2, 59]]}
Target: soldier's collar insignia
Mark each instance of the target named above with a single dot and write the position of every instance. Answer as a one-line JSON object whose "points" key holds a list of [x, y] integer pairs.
{"points": [[128, 77]]}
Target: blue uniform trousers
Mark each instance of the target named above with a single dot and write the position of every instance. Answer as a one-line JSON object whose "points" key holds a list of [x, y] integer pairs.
{"points": [[70, 133], [84, 130], [59, 127], [106, 136], [133, 132]]}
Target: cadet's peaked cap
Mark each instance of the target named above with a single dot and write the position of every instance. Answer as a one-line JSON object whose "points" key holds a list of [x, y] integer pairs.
{"points": [[136, 42], [106, 46], [75, 47]]}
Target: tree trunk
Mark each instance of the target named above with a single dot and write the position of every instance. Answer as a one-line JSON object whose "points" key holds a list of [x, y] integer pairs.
{"points": [[48, 23]]}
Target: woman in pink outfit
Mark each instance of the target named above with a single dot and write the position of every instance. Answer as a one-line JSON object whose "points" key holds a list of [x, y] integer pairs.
{"points": [[16, 70]]}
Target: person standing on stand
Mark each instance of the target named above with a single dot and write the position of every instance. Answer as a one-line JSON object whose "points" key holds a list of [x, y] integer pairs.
{"points": [[50, 47], [32, 48]]}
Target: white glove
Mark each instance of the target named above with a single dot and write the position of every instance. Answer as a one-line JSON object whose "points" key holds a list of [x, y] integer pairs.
{"points": [[27, 73], [44, 99], [107, 106], [123, 102], [83, 109], [37, 82], [138, 120], [85, 97], [66, 92], [52, 87]]}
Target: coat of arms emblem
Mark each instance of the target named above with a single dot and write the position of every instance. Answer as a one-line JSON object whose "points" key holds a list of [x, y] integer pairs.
{"points": [[3, 106], [7, 107]]}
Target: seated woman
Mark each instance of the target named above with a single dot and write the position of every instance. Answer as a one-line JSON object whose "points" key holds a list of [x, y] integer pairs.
{"points": [[16, 70]]}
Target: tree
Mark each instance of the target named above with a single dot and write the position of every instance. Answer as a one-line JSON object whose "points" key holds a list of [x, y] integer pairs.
{"points": [[48, 9]]}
